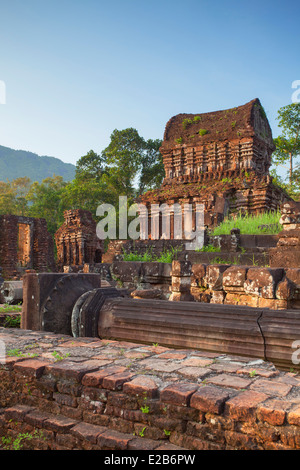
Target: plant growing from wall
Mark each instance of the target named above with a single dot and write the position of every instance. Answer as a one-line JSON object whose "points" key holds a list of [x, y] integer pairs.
{"points": [[186, 122]]}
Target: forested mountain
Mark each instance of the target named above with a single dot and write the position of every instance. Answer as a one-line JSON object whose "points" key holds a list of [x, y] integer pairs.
{"points": [[17, 163]]}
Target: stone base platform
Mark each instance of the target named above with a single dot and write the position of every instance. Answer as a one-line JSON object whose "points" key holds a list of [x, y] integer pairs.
{"points": [[86, 393]]}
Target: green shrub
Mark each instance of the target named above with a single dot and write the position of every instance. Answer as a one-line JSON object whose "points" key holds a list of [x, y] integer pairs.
{"points": [[202, 131], [12, 322], [186, 122], [147, 256]]}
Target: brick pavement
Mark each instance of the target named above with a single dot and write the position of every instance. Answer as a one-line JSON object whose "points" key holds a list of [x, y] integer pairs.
{"points": [[87, 393]]}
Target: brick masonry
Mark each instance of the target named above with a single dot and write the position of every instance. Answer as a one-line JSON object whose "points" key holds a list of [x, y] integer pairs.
{"points": [[255, 286], [220, 159], [265, 287], [87, 393], [76, 240], [25, 243]]}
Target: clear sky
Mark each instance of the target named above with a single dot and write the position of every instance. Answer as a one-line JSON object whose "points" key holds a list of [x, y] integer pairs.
{"points": [[75, 70]]}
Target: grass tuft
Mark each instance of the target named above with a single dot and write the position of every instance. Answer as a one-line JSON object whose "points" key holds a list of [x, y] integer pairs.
{"points": [[167, 256], [265, 223]]}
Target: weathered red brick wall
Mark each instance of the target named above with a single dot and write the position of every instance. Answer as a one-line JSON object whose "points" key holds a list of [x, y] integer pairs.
{"points": [[8, 244], [34, 241], [132, 396], [275, 288], [43, 247]]}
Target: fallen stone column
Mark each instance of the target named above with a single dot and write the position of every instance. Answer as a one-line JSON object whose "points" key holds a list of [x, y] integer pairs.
{"points": [[12, 292], [78, 305], [236, 330], [215, 328], [281, 333]]}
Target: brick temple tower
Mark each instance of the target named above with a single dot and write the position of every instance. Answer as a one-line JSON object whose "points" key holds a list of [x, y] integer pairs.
{"points": [[220, 159], [76, 240]]}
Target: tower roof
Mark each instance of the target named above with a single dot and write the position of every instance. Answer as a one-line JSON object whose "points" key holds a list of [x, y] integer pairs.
{"points": [[248, 120]]}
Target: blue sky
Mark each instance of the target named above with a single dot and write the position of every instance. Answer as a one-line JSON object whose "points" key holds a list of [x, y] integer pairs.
{"points": [[76, 70]]}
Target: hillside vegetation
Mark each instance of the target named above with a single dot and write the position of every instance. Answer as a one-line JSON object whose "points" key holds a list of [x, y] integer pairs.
{"points": [[19, 163]]}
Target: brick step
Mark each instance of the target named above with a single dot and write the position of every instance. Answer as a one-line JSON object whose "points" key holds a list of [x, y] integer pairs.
{"points": [[58, 432]]}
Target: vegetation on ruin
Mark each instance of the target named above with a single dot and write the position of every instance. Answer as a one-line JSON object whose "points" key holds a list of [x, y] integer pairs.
{"points": [[7, 308], [17, 443], [202, 131], [12, 321], [167, 256], [265, 223], [237, 261], [187, 121], [59, 357], [209, 249], [18, 353]]}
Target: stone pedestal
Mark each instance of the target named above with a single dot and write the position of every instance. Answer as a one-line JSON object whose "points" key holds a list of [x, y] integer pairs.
{"points": [[287, 251], [181, 281]]}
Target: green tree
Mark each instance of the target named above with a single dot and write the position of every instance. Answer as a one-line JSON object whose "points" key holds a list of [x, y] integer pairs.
{"points": [[21, 187], [133, 164], [46, 201], [87, 194], [89, 188], [90, 166], [152, 168], [7, 198], [123, 158], [288, 143], [13, 196]]}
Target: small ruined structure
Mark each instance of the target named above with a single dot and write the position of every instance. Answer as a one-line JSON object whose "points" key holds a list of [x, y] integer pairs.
{"points": [[220, 159], [76, 240], [25, 243], [287, 251]]}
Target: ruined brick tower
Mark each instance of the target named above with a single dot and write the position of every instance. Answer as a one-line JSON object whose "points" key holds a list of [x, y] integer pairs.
{"points": [[76, 240], [220, 159], [25, 243]]}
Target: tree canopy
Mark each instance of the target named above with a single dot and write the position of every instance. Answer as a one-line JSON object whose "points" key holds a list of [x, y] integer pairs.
{"points": [[128, 166], [288, 143]]}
